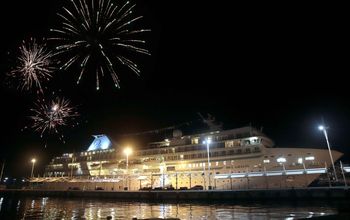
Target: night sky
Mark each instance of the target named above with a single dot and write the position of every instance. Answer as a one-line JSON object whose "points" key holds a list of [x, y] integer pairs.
{"points": [[280, 67]]}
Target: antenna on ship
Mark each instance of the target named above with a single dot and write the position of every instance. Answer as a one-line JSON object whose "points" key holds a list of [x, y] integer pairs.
{"points": [[211, 122]]}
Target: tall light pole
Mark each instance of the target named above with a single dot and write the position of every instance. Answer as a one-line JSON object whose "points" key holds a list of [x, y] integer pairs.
{"points": [[324, 129], [2, 171], [33, 162], [127, 152], [208, 141]]}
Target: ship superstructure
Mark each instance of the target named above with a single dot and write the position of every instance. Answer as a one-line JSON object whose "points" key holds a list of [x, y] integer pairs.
{"points": [[219, 159]]}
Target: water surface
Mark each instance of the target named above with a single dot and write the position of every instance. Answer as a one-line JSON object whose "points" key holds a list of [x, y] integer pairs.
{"points": [[62, 208]]}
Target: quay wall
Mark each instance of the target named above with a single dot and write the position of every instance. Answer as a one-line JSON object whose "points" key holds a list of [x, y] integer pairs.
{"points": [[187, 195]]}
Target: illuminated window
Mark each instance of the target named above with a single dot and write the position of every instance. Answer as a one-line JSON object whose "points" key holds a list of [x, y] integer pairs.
{"points": [[195, 140], [267, 161], [224, 163], [236, 143], [310, 158], [300, 160], [182, 156], [217, 163], [254, 140], [281, 160], [229, 144]]}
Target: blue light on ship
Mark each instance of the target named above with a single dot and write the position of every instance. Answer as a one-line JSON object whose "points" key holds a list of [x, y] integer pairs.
{"points": [[101, 142]]}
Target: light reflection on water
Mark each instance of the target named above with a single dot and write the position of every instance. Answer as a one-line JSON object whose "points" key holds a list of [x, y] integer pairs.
{"points": [[58, 208]]}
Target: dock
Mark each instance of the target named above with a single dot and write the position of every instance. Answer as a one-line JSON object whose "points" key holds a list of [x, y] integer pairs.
{"points": [[310, 193]]}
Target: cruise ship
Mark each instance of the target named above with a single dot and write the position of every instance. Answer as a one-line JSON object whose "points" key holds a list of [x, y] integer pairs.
{"points": [[218, 159]]}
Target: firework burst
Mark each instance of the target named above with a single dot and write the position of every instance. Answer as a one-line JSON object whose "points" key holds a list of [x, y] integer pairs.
{"points": [[99, 35], [49, 117], [34, 65]]}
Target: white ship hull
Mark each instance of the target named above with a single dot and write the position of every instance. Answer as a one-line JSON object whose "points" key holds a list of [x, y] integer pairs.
{"points": [[239, 159]]}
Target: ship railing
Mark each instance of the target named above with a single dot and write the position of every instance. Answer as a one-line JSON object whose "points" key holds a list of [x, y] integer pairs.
{"points": [[272, 173], [66, 179]]}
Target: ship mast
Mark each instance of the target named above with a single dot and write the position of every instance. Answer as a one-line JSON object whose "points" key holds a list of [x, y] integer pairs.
{"points": [[211, 122]]}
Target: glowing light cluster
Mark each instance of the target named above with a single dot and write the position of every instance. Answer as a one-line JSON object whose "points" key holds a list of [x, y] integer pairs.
{"points": [[49, 116], [34, 65], [98, 35]]}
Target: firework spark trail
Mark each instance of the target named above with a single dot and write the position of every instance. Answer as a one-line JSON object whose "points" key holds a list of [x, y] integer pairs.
{"points": [[99, 32], [49, 117], [34, 65]]}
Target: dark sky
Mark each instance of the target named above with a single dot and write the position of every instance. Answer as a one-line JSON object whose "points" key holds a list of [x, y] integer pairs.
{"points": [[282, 67]]}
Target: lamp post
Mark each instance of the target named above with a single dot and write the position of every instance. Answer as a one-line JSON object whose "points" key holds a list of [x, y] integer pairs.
{"points": [[2, 171], [324, 129], [342, 171], [33, 162], [207, 142], [127, 152]]}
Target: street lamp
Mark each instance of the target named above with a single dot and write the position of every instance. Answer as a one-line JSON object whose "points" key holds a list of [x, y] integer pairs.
{"points": [[208, 141], [127, 152], [324, 129], [33, 162]]}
